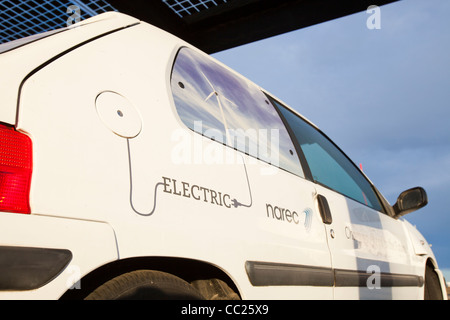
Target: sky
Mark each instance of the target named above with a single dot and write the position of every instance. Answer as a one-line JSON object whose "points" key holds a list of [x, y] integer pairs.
{"points": [[381, 94]]}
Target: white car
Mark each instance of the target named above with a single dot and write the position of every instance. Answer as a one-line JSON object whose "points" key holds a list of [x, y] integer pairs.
{"points": [[135, 166]]}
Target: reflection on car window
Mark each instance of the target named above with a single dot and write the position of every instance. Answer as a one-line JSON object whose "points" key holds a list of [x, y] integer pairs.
{"points": [[328, 165], [214, 101]]}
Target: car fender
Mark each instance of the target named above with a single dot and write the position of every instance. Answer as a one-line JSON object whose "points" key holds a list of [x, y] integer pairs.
{"points": [[420, 245]]}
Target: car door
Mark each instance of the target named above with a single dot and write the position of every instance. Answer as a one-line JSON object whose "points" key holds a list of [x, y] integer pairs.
{"points": [[370, 250], [281, 240]]}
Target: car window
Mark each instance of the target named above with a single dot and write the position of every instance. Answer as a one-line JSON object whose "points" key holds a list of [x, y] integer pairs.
{"points": [[328, 165], [217, 103]]}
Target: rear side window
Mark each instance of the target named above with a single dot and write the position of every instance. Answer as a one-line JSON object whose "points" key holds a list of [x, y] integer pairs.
{"points": [[217, 103], [328, 165]]}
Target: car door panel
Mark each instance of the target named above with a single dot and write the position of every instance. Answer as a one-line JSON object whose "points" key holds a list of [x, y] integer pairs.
{"points": [[370, 251]]}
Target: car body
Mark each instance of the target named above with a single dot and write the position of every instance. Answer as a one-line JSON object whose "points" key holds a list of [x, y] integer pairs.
{"points": [[137, 151]]}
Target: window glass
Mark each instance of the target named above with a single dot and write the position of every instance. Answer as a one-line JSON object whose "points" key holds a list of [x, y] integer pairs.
{"points": [[216, 102], [328, 165]]}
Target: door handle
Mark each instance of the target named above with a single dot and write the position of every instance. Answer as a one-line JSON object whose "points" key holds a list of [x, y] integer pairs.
{"points": [[324, 209]]}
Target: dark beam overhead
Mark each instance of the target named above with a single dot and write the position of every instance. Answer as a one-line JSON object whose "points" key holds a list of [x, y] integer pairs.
{"points": [[237, 22]]}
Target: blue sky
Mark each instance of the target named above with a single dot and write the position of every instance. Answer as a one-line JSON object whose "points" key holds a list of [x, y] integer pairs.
{"points": [[383, 95]]}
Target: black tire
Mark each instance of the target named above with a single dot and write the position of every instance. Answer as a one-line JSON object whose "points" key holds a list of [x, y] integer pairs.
{"points": [[145, 285], [432, 285]]}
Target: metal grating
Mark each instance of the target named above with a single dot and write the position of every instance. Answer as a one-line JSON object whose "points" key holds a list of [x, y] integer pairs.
{"points": [[189, 7], [19, 19]]}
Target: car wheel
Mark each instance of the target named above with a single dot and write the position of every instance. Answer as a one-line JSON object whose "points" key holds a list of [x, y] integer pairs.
{"points": [[145, 285], [432, 285]]}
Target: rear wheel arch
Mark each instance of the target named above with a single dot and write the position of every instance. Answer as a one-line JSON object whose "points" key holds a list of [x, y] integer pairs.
{"points": [[208, 279]]}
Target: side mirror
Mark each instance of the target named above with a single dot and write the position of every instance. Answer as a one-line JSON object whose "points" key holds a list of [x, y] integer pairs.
{"points": [[409, 201]]}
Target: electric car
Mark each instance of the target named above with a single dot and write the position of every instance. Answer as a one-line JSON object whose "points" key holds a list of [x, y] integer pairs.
{"points": [[133, 165]]}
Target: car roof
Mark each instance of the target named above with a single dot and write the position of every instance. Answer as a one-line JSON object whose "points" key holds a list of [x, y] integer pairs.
{"points": [[20, 57]]}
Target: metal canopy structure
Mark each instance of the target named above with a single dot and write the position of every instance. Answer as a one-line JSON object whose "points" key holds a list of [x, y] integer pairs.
{"points": [[211, 25], [216, 25], [20, 19]]}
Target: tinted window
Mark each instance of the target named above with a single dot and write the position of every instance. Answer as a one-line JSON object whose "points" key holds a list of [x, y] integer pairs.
{"points": [[216, 102], [328, 165]]}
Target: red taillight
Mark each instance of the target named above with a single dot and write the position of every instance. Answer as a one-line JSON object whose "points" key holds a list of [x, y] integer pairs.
{"points": [[15, 170]]}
